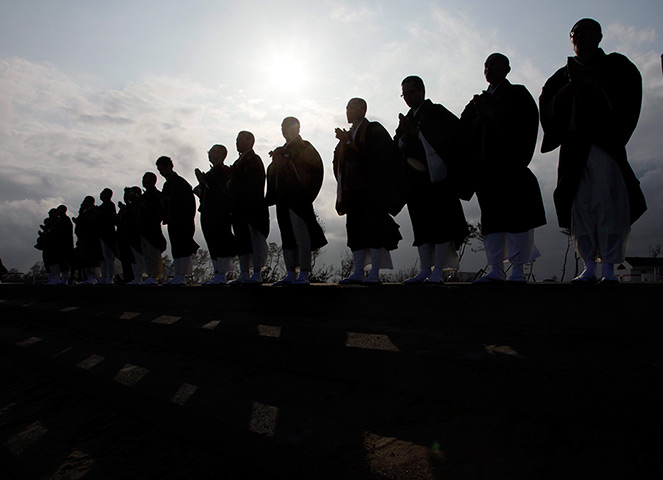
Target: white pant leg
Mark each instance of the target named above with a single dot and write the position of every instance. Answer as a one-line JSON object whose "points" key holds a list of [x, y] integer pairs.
{"points": [[303, 240], [108, 264], [384, 257], [521, 247], [600, 208], [259, 247], [152, 259], [224, 264], [495, 245], [138, 265], [446, 256], [426, 258], [184, 265]]}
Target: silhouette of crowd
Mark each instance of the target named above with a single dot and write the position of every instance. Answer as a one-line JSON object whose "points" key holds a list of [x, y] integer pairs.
{"points": [[589, 108]]}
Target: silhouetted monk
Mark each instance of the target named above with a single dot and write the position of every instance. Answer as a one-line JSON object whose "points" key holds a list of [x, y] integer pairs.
{"points": [[88, 246], [128, 237], [590, 108], [294, 179], [427, 137], [364, 163], [47, 242], [153, 243], [215, 213], [499, 129], [179, 207], [250, 215], [106, 220], [65, 234]]}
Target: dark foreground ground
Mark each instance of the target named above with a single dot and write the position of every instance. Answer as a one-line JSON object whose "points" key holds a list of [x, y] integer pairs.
{"points": [[391, 382]]}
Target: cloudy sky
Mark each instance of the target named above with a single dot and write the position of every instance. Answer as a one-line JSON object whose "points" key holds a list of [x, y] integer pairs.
{"points": [[91, 93]]}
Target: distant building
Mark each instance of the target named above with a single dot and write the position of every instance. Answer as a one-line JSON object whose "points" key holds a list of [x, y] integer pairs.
{"points": [[640, 270]]}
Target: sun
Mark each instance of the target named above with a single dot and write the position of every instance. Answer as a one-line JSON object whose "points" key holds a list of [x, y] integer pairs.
{"points": [[286, 73]]}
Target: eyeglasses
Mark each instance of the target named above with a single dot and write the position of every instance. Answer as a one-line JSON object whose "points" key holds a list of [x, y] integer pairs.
{"points": [[583, 33], [408, 92]]}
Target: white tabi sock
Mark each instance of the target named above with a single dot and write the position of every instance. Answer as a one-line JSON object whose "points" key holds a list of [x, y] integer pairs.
{"points": [[425, 252], [302, 278], [374, 274], [608, 271], [517, 273]]}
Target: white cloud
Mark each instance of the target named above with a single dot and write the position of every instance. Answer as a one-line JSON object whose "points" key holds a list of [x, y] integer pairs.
{"points": [[629, 36], [356, 13]]}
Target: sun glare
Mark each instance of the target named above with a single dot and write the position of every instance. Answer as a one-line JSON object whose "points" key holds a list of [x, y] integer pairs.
{"points": [[286, 73]]}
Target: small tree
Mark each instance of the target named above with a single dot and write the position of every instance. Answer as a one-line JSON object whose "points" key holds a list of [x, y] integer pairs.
{"points": [[202, 266], [323, 273], [347, 265], [569, 244], [474, 234], [168, 266], [401, 274], [274, 268], [36, 274]]}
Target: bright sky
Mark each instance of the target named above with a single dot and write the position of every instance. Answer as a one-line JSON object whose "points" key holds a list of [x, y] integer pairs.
{"points": [[91, 93]]}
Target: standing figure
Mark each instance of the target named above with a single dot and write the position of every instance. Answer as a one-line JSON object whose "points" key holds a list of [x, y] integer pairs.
{"points": [[128, 237], [365, 161], [88, 246], [294, 179], [590, 108], [427, 137], [48, 243], [179, 206], [249, 212], [106, 220], [499, 129], [152, 241], [65, 233], [215, 213], [3, 271]]}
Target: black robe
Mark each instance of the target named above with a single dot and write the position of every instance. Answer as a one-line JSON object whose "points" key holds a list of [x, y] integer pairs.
{"points": [[294, 179], [65, 241], [246, 188], [215, 212], [88, 247], [603, 117], [498, 151], [366, 172], [180, 212], [150, 215], [435, 210], [106, 219], [128, 232]]}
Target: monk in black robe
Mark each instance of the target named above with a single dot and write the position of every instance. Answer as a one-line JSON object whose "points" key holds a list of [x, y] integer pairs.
{"points": [[128, 237], [88, 246], [294, 179], [150, 216], [249, 212], [179, 205], [427, 137], [366, 163], [590, 108], [499, 129], [106, 220], [65, 234], [47, 242], [215, 213]]}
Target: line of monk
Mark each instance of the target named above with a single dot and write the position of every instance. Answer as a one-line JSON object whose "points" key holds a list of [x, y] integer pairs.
{"points": [[589, 108]]}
